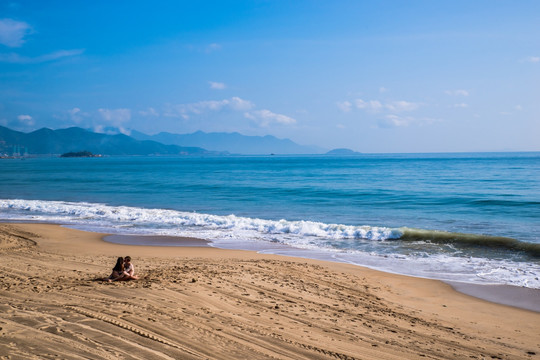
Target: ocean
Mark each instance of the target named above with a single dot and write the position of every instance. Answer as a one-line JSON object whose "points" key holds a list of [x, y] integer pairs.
{"points": [[469, 217]]}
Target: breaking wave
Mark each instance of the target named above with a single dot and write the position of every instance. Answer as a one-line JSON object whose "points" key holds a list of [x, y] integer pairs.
{"points": [[100, 214], [470, 240]]}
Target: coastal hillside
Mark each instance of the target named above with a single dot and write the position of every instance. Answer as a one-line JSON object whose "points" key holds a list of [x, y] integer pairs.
{"points": [[234, 143], [74, 139]]}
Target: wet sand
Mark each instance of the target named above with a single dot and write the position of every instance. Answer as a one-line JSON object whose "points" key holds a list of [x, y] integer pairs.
{"points": [[156, 240], [207, 303], [524, 298]]}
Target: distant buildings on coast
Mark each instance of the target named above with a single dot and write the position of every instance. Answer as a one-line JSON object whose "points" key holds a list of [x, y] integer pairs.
{"points": [[12, 152]]}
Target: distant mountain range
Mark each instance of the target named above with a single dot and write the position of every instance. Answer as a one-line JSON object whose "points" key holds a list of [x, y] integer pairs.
{"points": [[74, 139], [234, 143]]}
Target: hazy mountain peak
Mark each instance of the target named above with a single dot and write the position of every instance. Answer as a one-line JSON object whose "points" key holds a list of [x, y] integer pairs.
{"points": [[74, 139], [233, 142]]}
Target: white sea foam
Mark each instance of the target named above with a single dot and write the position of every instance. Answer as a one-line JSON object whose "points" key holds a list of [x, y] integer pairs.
{"points": [[178, 222], [450, 268]]}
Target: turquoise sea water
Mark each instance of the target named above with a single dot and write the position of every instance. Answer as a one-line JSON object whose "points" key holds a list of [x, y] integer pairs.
{"points": [[465, 217]]}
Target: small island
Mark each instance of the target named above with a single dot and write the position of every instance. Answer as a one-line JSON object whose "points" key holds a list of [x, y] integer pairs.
{"points": [[342, 152], [79, 154]]}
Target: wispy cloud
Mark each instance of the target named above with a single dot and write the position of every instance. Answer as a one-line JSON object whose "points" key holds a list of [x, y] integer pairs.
{"points": [[344, 106], [150, 112], [217, 85], [115, 116], [516, 108], [459, 92], [201, 107], [378, 106], [18, 59], [262, 117], [461, 105], [210, 48], [532, 59], [266, 117], [402, 105], [77, 115], [373, 105], [12, 32], [388, 113], [393, 121]]}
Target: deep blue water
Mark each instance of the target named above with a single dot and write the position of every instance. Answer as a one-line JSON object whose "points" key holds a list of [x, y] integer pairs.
{"points": [[392, 212]]}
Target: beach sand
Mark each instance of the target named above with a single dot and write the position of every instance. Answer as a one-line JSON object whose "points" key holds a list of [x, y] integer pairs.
{"points": [[207, 303]]}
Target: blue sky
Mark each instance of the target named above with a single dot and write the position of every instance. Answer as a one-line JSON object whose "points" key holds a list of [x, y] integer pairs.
{"points": [[373, 76]]}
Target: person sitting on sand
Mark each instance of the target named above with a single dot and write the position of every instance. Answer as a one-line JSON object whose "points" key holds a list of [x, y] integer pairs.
{"points": [[117, 271], [129, 270]]}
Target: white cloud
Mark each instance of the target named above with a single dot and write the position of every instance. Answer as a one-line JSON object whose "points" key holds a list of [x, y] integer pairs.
{"points": [[212, 105], [518, 107], [399, 106], [461, 105], [12, 32], [150, 112], [115, 116], [74, 111], [26, 119], [373, 105], [265, 117], [376, 105], [217, 85], [382, 89], [198, 108], [76, 115], [393, 121], [234, 104], [360, 104], [99, 129], [344, 106], [459, 92], [111, 130], [18, 59], [241, 104]]}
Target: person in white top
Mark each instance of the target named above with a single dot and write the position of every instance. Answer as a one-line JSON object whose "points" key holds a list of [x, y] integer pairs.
{"points": [[129, 270]]}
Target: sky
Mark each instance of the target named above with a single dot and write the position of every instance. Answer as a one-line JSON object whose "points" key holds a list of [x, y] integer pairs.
{"points": [[373, 76]]}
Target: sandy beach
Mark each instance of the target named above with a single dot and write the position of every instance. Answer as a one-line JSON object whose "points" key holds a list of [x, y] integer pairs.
{"points": [[200, 302]]}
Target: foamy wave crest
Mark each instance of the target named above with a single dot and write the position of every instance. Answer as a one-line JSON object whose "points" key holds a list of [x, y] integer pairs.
{"points": [[178, 222]]}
